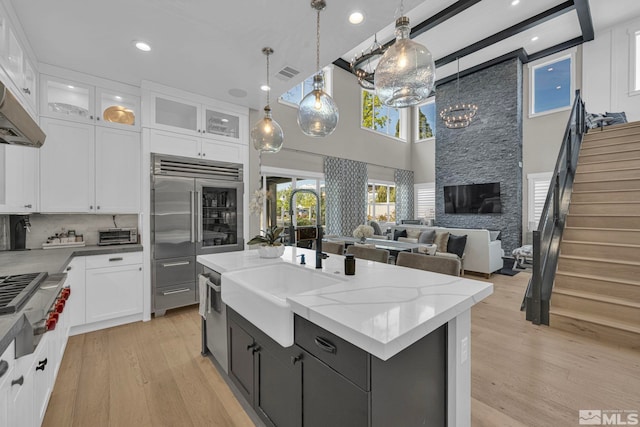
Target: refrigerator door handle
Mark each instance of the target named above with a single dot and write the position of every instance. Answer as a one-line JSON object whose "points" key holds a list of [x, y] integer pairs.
{"points": [[193, 220], [198, 217]]}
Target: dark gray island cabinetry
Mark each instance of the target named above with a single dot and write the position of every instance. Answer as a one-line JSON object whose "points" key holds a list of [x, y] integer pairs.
{"points": [[323, 380]]}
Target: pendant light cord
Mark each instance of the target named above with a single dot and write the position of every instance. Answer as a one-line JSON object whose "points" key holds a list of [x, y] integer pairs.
{"points": [[458, 82], [268, 83], [318, 42]]}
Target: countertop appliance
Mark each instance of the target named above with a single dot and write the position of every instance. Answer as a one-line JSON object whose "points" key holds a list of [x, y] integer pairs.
{"points": [[196, 208], [19, 226], [117, 236], [39, 297], [16, 125]]}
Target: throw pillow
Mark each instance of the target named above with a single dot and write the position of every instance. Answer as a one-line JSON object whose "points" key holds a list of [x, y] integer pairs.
{"points": [[376, 228], [618, 118], [456, 244], [399, 233], [427, 237], [413, 233], [442, 238]]}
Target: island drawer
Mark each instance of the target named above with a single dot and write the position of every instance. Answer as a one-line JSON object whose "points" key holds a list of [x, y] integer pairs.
{"points": [[342, 356], [109, 260]]}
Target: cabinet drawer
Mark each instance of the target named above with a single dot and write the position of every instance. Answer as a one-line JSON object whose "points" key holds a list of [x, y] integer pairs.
{"points": [[174, 296], [173, 271], [7, 362], [342, 356], [110, 260]]}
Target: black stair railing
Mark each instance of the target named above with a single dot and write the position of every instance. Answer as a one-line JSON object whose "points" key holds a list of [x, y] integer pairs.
{"points": [[546, 239]]}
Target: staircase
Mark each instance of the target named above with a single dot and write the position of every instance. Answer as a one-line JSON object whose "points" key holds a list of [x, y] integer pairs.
{"points": [[597, 284]]}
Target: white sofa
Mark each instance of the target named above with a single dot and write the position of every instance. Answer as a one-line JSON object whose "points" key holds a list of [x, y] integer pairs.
{"points": [[481, 254]]}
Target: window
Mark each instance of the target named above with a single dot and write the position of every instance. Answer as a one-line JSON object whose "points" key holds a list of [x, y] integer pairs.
{"points": [[538, 188], [425, 120], [636, 62], [381, 202], [293, 96], [381, 118], [551, 85], [425, 200]]}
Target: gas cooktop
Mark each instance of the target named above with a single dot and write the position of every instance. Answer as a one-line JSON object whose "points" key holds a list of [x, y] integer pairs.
{"points": [[16, 290]]}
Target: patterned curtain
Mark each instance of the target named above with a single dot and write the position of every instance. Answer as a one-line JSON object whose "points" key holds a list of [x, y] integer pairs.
{"points": [[404, 194], [346, 187]]}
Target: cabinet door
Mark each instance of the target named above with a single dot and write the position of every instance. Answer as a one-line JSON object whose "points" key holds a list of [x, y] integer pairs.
{"points": [[175, 144], [29, 87], [15, 60], [220, 125], [42, 374], [76, 303], [67, 167], [19, 180], [117, 171], [241, 367], [20, 407], [113, 292], [65, 99], [278, 393], [329, 399], [223, 151], [117, 109], [175, 114]]}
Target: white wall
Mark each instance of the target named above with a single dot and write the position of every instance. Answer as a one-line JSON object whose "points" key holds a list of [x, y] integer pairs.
{"points": [[606, 71]]}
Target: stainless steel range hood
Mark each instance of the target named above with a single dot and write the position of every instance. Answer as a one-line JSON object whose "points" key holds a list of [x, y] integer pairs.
{"points": [[16, 125]]}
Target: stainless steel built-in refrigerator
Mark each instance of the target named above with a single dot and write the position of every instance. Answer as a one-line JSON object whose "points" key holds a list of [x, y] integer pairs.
{"points": [[196, 208]]}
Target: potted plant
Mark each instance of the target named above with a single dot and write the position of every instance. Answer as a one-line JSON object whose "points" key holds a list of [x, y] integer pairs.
{"points": [[270, 242]]}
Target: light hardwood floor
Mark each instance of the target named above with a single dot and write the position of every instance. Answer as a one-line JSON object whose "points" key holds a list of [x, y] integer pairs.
{"points": [[152, 374]]}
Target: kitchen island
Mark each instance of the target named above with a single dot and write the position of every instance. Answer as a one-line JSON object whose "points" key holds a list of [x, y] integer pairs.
{"points": [[391, 343]]}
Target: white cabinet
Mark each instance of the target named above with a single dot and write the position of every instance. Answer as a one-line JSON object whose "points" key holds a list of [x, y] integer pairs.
{"points": [[42, 371], [8, 361], [113, 286], [85, 103], [219, 122], [18, 179], [20, 394], [192, 146], [87, 168]]}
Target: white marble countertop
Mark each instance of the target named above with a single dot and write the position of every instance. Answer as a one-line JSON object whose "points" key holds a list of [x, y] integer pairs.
{"points": [[382, 309]]}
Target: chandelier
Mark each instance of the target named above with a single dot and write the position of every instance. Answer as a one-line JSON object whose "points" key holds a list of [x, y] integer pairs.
{"points": [[406, 72], [458, 115], [318, 112], [363, 66], [267, 135]]}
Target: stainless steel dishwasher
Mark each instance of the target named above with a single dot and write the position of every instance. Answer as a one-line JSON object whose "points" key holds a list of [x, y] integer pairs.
{"points": [[215, 325]]}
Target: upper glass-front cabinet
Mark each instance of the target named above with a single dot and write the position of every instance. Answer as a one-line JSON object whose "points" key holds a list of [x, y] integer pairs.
{"points": [[84, 103], [180, 115]]}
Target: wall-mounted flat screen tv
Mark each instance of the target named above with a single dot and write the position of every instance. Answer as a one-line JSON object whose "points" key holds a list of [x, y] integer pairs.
{"points": [[472, 199]]}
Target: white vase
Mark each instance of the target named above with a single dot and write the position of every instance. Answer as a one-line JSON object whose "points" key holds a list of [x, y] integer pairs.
{"points": [[270, 251]]}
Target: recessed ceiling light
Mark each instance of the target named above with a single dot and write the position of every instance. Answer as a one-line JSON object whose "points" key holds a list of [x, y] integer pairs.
{"points": [[71, 87], [118, 98], [143, 46], [550, 69], [558, 87], [265, 88], [515, 2], [534, 38], [356, 18]]}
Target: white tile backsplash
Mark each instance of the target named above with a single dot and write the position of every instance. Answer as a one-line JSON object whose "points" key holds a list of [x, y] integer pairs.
{"points": [[45, 225]]}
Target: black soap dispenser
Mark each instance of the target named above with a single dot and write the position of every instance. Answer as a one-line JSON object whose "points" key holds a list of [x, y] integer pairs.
{"points": [[349, 265]]}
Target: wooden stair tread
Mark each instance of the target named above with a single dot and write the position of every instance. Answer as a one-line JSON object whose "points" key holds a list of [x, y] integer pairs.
{"points": [[609, 170], [601, 229], [586, 242], [591, 259], [583, 154], [597, 297], [621, 190], [604, 215], [615, 202], [606, 180], [609, 161], [598, 278], [592, 318]]}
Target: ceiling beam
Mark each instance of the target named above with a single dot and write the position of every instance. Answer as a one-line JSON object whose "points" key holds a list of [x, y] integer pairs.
{"points": [[554, 49], [509, 32], [519, 53], [440, 17], [584, 17]]}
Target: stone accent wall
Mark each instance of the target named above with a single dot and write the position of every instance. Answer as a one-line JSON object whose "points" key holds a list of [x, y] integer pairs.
{"points": [[489, 150]]}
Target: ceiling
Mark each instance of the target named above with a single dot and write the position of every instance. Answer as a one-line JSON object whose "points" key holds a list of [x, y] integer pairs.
{"points": [[214, 47]]}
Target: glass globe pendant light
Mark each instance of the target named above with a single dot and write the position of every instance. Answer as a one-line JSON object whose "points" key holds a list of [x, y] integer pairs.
{"points": [[406, 72], [318, 113], [266, 134]]}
